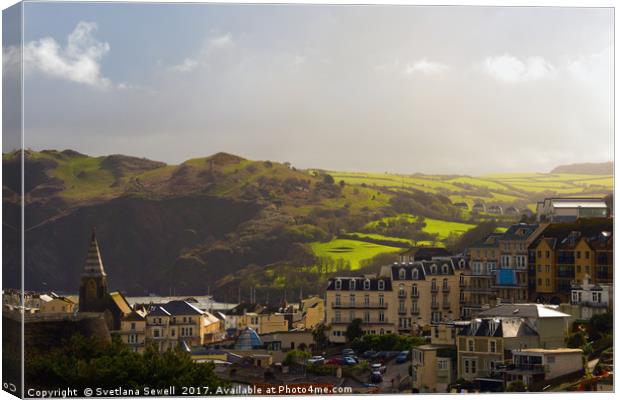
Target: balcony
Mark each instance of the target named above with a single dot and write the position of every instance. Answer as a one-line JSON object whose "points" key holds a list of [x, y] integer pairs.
{"points": [[402, 311], [415, 311], [434, 289], [592, 304], [445, 306], [415, 295], [525, 368], [434, 306], [475, 289], [360, 305], [402, 295], [347, 321], [445, 289]]}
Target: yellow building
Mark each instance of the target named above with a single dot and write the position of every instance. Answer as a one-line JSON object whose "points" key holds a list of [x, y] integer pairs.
{"points": [[264, 322], [367, 298], [170, 324], [479, 291], [313, 309], [133, 331], [54, 304], [566, 253]]}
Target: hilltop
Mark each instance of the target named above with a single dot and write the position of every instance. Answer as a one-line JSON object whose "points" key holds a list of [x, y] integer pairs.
{"points": [[606, 168], [223, 222]]}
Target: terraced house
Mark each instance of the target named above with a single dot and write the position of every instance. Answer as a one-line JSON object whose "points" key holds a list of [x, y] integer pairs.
{"points": [[565, 253], [479, 291], [368, 298], [404, 298]]}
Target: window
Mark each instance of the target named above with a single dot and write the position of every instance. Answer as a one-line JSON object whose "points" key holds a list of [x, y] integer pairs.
{"points": [[352, 299], [366, 300], [414, 307], [444, 269], [381, 316], [401, 290], [352, 284], [466, 366], [493, 346], [539, 254], [434, 284], [442, 364], [133, 338], [547, 282], [414, 274], [578, 254], [402, 274], [548, 268], [156, 332], [436, 317], [596, 297], [381, 300], [445, 283], [414, 290], [470, 344], [133, 326], [367, 284], [433, 269], [172, 332], [547, 254], [366, 316], [587, 255], [381, 285], [337, 316], [401, 306], [338, 284], [473, 366]]}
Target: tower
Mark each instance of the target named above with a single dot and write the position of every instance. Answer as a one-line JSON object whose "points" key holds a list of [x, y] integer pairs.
{"points": [[93, 281]]}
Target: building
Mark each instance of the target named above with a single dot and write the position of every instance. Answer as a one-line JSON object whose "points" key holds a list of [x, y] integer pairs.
{"points": [[479, 207], [313, 312], [133, 331], [569, 209], [488, 342], [434, 365], [512, 210], [425, 292], [54, 304], [367, 298], [266, 321], [496, 209], [511, 276], [550, 324], [537, 368], [422, 253], [462, 205], [179, 322], [480, 291], [565, 253], [591, 298]]}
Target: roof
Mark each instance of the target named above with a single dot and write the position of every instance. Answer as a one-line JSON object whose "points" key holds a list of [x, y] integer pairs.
{"points": [[243, 308], [425, 252], [549, 351], [519, 231], [93, 267], [596, 231], [179, 307], [121, 302], [346, 283], [490, 241], [133, 316], [499, 327], [576, 204], [158, 311], [529, 310], [248, 339]]}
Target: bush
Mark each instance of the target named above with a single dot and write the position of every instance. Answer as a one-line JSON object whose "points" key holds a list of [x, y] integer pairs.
{"points": [[386, 342], [296, 356], [576, 340], [516, 386]]}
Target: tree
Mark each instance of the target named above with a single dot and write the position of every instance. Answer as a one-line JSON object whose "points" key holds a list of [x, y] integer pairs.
{"points": [[354, 330], [576, 340], [296, 356], [319, 335], [327, 178], [342, 183], [516, 386]]}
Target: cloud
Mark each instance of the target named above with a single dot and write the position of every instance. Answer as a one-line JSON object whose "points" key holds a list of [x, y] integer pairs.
{"points": [[510, 69], [593, 67], [187, 65], [221, 42], [426, 67], [79, 61], [11, 59]]}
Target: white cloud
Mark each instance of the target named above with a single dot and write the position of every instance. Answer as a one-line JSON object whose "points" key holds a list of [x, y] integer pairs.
{"points": [[510, 69], [593, 67], [221, 42], [426, 67], [79, 61], [11, 59], [189, 64]]}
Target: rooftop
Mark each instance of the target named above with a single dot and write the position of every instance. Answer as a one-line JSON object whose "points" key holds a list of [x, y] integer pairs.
{"points": [[527, 310]]}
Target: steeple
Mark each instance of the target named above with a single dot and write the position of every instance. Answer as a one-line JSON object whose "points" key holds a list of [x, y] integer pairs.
{"points": [[93, 281], [94, 266]]}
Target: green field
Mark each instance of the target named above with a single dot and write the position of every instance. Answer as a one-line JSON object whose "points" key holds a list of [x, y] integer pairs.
{"points": [[351, 251], [433, 226]]}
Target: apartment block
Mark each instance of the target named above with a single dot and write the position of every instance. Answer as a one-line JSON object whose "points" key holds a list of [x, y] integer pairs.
{"points": [[480, 291]]}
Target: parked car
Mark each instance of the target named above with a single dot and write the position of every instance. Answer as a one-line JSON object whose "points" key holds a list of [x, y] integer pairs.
{"points": [[378, 367], [316, 360], [368, 354], [334, 361], [348, 350], [349, 361], [402, 357], [375, 377]]}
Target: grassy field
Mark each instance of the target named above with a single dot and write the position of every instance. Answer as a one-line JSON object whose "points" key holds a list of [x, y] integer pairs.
{"points": [[433, 226], [351, 251]]}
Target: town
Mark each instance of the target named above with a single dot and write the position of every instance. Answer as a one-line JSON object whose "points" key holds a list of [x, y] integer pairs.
{"points": [[523, 310]]}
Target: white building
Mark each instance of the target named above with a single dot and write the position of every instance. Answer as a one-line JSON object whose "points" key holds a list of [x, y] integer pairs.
{"points": [[566, 209], [535, 366], [591, 298]]}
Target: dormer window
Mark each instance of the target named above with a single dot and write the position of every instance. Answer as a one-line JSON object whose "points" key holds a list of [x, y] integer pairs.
{"points": [[381, 285], [444, 269], [414, 274], [367, 284], [462, 264], [434, 269], [352, 284], [402, 274], [338, 284]]}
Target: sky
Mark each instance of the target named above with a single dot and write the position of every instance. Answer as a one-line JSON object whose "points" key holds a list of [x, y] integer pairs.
{"points": [[454, 90]]}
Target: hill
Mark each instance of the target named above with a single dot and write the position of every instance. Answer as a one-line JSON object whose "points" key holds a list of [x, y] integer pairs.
{"points": [[224, 223], [606, 168]]}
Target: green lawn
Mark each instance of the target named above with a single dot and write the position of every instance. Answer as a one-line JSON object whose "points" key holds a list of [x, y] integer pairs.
{"points": [[352, 251], [444, 228]]}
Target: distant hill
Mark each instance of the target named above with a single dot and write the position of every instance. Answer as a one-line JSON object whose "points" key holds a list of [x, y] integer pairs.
{"points": [[604, 168]]}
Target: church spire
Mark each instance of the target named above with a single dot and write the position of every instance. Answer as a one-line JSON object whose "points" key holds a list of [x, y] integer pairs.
{"points": [[94, 266]]}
